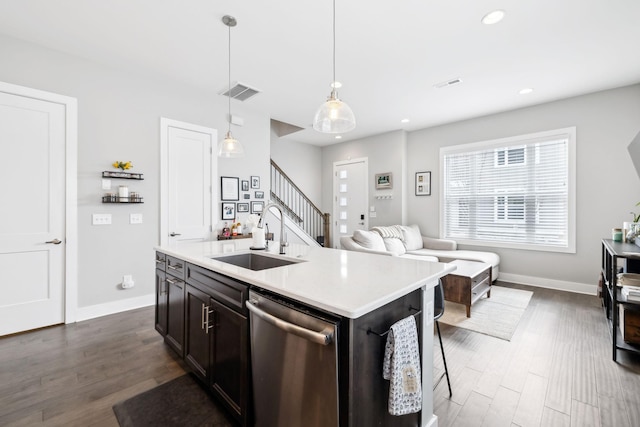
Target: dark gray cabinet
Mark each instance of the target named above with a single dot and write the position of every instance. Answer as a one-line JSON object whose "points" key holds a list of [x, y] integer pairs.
{"points": [[170, 300], [213, 338]]}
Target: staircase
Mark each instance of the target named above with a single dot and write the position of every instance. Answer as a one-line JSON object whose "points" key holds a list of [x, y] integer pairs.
{"points": [[298, 208]]}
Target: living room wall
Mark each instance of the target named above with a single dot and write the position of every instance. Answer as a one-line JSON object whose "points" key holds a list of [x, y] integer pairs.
{"points": [[608, 187], [385, 153]]}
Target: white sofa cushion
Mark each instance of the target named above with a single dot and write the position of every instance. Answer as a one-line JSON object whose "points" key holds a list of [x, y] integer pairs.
{"points": [[369, 240], [412, 237], [394, 245]]}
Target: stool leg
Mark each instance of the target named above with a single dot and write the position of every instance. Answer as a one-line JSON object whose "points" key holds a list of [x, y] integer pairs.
{"points": [[444, 360]]}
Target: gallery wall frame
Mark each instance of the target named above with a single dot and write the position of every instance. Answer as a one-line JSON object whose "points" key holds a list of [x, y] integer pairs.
{"points": [[257, 207], [242, 207], [229, 188], [423, 183], [228, 211], [384, 181]]}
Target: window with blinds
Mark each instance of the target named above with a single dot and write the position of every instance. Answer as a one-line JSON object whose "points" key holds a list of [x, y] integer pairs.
{"points": [[516, 192]]}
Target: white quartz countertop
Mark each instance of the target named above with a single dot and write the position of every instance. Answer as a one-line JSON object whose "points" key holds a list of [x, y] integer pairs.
{"points": [[347, 283]]}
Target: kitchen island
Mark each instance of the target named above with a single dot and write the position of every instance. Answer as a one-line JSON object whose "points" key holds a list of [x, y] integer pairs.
{"points": [[366, 292]]}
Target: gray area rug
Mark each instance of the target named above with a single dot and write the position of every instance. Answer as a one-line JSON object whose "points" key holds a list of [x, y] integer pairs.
{"points": [[179, 402], [497, 316]]}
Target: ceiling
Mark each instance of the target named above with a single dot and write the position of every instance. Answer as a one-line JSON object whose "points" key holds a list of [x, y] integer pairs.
{"points": [[389, 54]]}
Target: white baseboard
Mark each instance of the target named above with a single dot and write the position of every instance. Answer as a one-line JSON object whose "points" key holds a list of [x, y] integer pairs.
{"points": [[99, 310], [541, 282]]}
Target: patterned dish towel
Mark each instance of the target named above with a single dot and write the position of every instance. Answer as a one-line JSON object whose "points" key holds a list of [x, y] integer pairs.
{"points": [[402, 367]]}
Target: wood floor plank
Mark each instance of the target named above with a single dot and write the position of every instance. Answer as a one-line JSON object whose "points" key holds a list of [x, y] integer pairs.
{"points": [[474, 410], [613, 412], [503, 407], [551, 418], [583, 415], [531, 403]]}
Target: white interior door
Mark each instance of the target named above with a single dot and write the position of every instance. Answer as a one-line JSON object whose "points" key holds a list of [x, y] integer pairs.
{"points": [[350, 196], [32, 213], [187, 176]]}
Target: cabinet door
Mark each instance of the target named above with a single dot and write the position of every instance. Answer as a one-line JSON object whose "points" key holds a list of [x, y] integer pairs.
{"points": [[175, 314], [229, 364], [197, 344], [161, 302]]}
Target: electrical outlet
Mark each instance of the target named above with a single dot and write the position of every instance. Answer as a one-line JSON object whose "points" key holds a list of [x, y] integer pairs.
{"points": [[135, 218], [101, 219], [127, 281]]}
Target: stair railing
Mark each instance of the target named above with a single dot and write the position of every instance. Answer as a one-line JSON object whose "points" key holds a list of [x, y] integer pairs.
{"points": [[299, 208]]}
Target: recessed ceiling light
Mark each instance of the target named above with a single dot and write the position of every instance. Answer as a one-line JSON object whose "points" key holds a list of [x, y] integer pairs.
{"points": [[493, 17], [405, 120], [525, 91], [338, 136]]}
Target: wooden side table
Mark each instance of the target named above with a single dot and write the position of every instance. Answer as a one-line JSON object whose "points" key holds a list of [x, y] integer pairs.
{"points": [[468, 283]]}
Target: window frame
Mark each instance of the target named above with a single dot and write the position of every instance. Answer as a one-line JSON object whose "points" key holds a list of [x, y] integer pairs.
{"points": [[505, 144]]}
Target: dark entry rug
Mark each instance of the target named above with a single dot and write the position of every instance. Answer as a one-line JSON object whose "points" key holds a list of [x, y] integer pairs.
{"points": [[179, 402]]}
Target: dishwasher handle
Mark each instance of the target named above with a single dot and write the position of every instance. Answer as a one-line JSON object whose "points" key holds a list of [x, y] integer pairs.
{"points": [[324, 337]]}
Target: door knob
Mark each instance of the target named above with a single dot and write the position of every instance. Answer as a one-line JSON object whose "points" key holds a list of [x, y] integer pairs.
{"points": [[175, 234], [55, 241]]}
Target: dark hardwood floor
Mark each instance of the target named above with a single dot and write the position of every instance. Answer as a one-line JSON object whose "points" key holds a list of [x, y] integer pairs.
{"points": [[556, 371]]}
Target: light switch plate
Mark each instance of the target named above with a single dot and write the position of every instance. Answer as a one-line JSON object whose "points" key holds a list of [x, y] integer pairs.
{"points": [[106, 184], [373, 214], [135, 218], [101, 219]]}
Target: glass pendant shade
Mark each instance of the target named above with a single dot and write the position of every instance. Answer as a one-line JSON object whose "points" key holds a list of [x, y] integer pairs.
{"points": [[334, 116], [230, 147]]}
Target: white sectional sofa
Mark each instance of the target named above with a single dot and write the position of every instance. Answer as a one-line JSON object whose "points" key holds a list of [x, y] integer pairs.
{"points": [[407, 241]]}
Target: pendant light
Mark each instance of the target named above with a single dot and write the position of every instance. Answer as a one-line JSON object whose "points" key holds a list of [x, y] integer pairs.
{"points": [[229, 146], [334, 116]]}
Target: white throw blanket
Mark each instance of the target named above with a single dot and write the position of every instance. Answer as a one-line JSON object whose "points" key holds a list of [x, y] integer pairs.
{"points": [[402, 367], [394, 231]]}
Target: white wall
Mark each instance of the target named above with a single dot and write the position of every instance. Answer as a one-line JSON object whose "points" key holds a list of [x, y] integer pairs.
{"points": [[119, 119], [385, 153], [608, 187], [302, 163]]}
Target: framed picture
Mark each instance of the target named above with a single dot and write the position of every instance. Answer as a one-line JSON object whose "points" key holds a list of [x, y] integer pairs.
{"points": [[228, 211], [256, 207], [246, 196], [229, 188], [423, 183], [384, 181], [243, 207], [259, 194], [255, 182], [245, 185]]}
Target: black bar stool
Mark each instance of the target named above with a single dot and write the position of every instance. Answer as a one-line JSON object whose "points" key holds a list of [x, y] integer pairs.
{"points": [[438, 311]]}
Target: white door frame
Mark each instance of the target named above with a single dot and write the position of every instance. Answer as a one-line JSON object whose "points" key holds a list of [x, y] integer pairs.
{"points": [[71, 190], [165, 124], [334, 225]]}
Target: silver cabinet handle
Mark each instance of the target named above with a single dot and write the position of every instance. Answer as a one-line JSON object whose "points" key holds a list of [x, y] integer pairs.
{"points": [[173, 282], [324, 337], [174, 267], [202, 316], [55, 241], [159, 261], [175, 234], [208, 326]]}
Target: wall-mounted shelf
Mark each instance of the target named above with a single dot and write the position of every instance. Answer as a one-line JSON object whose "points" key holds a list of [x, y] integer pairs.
{"points": [[122, 175], [116, 199]]}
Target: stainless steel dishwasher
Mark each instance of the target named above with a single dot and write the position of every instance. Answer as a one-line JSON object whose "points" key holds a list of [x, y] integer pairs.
{"points": [[294, 359]]}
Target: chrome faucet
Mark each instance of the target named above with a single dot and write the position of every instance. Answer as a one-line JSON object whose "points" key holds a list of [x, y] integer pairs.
{"points": [[283, 242]]}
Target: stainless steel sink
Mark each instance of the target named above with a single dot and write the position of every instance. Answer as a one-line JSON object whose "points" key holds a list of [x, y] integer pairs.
{"points": [[254, 262]]}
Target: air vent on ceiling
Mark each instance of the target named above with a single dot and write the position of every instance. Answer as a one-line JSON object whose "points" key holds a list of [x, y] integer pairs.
{"points": [[448, 83], [240, 91]]}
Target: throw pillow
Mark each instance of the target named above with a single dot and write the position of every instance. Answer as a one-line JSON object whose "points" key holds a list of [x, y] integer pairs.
{"points": [[394, 245], [412, 237], [369, 240]]}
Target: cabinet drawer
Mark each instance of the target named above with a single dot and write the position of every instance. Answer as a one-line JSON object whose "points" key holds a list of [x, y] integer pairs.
{"points": [[161, 260], [226, 290], [175, 267]]}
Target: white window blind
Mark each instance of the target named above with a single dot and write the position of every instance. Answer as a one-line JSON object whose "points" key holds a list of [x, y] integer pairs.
{"points": [[516, 192]]}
